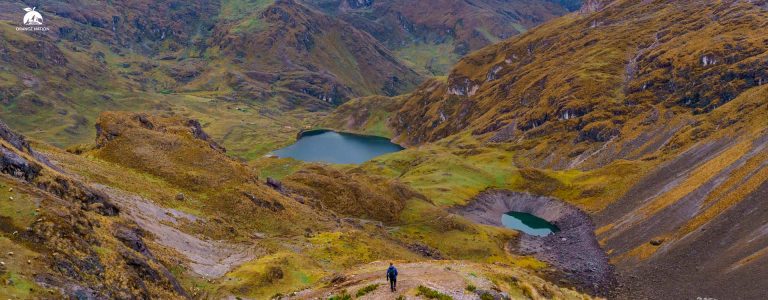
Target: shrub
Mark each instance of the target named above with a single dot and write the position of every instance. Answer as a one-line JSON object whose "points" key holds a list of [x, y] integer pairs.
{"points": [[343, 296], [367, 289], [471, 288], [487, 296], [432, 294]]}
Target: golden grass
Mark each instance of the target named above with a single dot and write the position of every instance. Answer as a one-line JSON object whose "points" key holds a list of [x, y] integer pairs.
{"points": [[731, 192], [698, 177]]}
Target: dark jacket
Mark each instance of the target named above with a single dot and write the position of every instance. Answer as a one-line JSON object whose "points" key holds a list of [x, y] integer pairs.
{"points": [[392, 273]]}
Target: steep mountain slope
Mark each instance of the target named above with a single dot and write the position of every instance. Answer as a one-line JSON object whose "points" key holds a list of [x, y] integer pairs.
{"points": [[366, 115], [432, 35], [291, 47], [650, 115], [590, 78]]}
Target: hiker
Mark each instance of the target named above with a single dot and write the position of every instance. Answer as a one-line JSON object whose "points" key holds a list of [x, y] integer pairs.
{"points": [[392, 277]]}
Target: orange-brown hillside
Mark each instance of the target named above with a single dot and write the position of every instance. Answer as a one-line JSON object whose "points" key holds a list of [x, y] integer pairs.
{"points": [[666, 100], [61, 238], [178, 152], [627, 70]]}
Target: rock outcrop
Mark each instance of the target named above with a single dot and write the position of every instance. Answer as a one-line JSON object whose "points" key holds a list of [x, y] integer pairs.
{"points": [[17, 159], [593, 6], [68, 215]]}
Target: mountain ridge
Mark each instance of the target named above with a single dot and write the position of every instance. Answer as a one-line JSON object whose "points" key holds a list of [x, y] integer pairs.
{"points": [[655, 129], [638, 128]]}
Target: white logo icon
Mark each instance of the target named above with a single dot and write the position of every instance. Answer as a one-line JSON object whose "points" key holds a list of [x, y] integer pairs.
{"points": [[32, 18]]}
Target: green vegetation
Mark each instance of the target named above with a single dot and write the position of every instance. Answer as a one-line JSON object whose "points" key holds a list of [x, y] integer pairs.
{"points": [[268, 275], [343, 296], [17, 286], [432, 294], [16, 274], [246, 14], [492, 38], [367, 289], [366, 115], [578, 122], [487, 296], [429, 58], [240, 9], [343, 250]]}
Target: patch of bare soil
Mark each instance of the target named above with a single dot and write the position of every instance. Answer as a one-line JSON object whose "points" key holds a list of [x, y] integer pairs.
{"points": [[573, 251], [208, 258]]}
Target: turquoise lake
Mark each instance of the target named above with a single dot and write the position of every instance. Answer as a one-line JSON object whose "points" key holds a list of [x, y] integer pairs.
{"points": [[528, 223], [337, 148]]}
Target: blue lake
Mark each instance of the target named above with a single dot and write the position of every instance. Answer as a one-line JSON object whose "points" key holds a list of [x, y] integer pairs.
{"points": [[528, 223], [337, 148]]}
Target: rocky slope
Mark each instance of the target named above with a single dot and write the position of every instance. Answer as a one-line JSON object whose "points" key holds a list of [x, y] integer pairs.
{"points": [[613, 77], [647, 117], [651, 116], [62, 238]]}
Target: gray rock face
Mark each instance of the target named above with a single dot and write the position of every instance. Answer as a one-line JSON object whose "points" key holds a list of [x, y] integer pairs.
{"points": [[593, 6], [16, 166], [13, 138], [11, 162], [22, 162], [275, 184]]}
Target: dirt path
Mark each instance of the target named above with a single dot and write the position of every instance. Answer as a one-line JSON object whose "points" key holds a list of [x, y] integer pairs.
{"points": [[448, 277]]}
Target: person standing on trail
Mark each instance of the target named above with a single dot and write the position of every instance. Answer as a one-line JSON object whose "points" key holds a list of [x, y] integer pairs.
{"points": [[392, 277]]}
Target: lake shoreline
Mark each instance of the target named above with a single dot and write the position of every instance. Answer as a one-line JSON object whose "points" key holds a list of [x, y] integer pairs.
{"points": [[309, 132]]}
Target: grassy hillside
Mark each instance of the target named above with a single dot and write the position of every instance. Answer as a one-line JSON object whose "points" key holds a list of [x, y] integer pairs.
{"points": [[649, 115], [170, 203]]}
